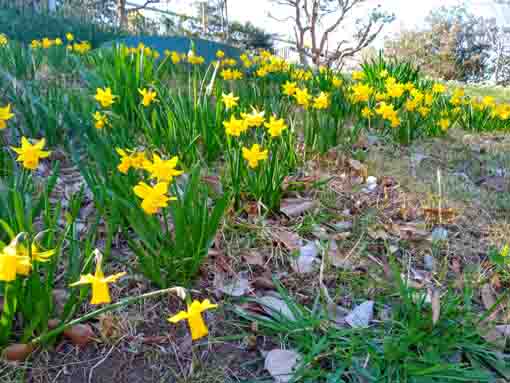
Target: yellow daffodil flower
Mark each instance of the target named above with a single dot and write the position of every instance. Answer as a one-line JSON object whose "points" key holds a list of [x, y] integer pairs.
{"points": [[254, 119], [395, 90], [237, 74], [361, 92], [303, 97], [383, 74], [163, 170], [11, 263], [438, 88], [229, 100], [175, 57], [69, 36], [289, 88], [505, 251], [30, 154], [220, 54], [226, 74], [153, 197], [444, 124], [358, 75], [128, 160], [337, 82], [148, 96], [35, 44], [254, 155], [100, 120], [321, 101], [3, 40], [235, 126], [367, 113], [193, 315], [46, 43], [275, 126], [105, 97], [100, 289], [58, 41], [5, 115]]}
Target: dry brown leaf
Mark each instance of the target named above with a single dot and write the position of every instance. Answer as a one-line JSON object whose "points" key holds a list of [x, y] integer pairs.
{"points": [[281, 364], [443, 215], [294, 207], [358, 168], [254, 258], [291, 241]]}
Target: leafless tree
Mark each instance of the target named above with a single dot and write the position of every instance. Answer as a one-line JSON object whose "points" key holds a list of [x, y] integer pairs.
{"points": [[318, 20]]}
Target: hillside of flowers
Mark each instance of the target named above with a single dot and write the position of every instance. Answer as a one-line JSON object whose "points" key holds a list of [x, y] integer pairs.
{"points": [[125, 165]]}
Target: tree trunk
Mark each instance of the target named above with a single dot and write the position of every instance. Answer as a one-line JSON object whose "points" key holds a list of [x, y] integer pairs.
{"points": [[122, 14]]}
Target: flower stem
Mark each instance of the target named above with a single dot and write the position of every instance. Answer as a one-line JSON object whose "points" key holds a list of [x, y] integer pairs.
{"points": [[124, 302]]}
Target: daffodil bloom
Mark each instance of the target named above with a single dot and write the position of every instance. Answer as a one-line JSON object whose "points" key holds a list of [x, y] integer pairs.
{"points": [[438, 88], [358, 75], [35, 44], [411, 105], [5, 115], [105, 97], [193, 315], [11, 263], [15, 259], [361, 92], [383, 74], [126, 162], [163, 170], [505, 251], [226, 74], [30, 154], [175, 57], [254, 155], [153, 197], [262, 72], [275, 126], [444, 124], [3, 40], [46, 43], [229, 100], [220, 54], [395, 90], [367, 113], [380, 96], [100, 120], [303, 97], [100, 289], [69, 36], [237, 74], [321, 101], [424, 111], [235, 126], [148, 96], [429, 99], [337, 82], [135, 160], [254, 119], [58, 41], [488, 101], [289, 88]]}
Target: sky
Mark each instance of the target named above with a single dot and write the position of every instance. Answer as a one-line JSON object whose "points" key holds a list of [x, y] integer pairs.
{"points": [[409, 13]]}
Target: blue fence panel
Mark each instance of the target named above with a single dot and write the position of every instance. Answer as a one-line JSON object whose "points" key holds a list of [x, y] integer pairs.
{"points": [[204, 48]]}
